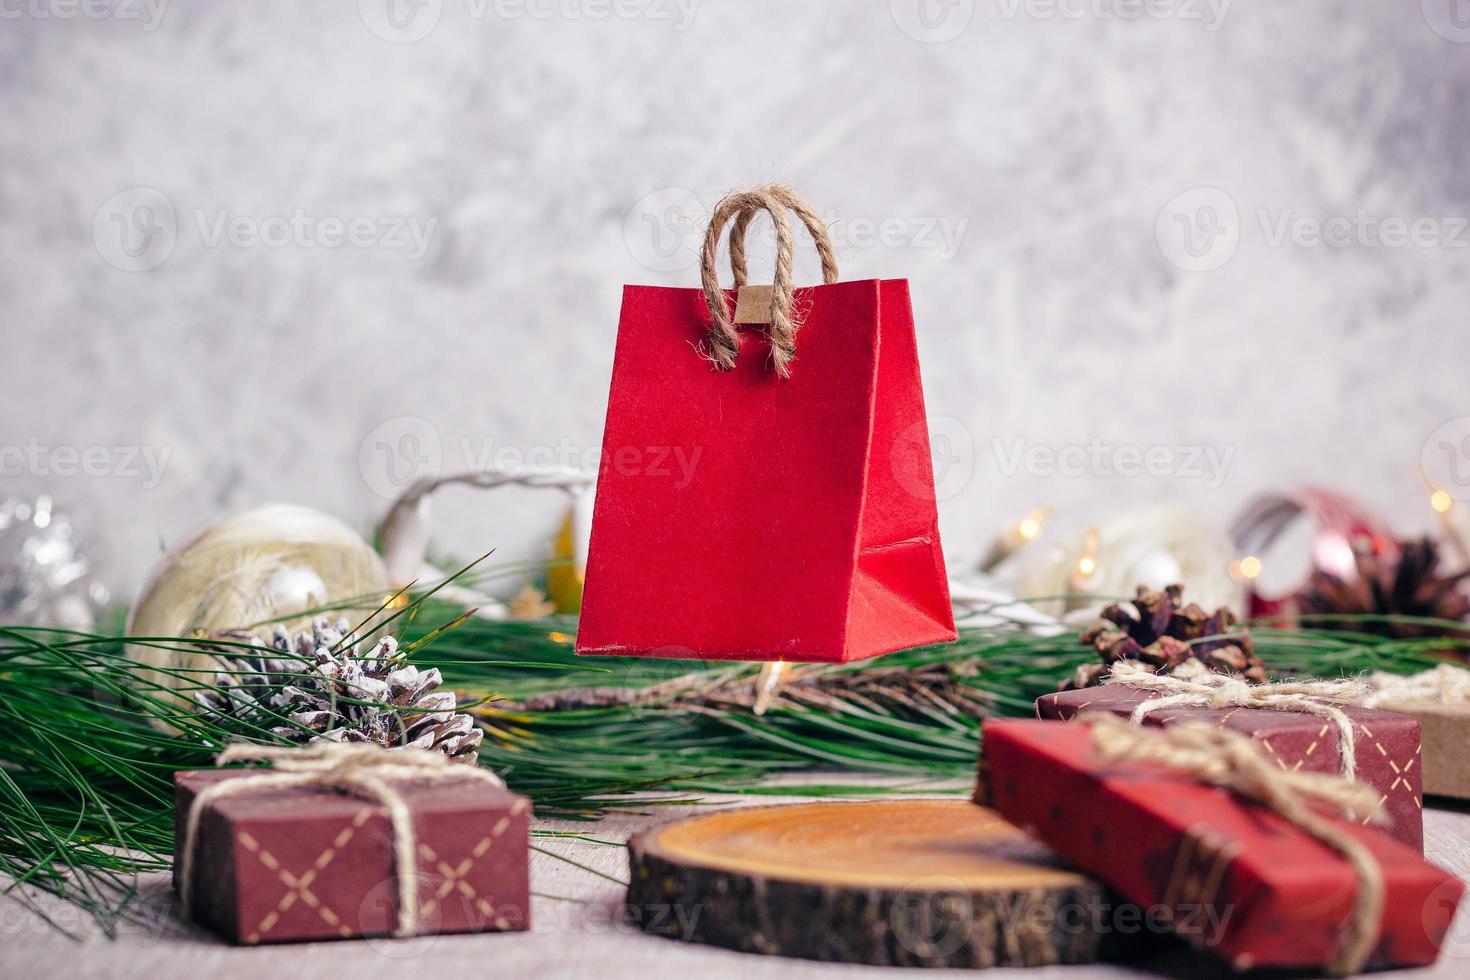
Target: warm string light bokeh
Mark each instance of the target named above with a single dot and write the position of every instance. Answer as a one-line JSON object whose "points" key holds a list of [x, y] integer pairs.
{"points": [[1016, 536], [1086, 570], [1082, 580]]}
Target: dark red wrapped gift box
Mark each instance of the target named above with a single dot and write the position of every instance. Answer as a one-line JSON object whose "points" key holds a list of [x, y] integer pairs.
{"points": [[1227, 875], [1387, 743], [278, 865]]}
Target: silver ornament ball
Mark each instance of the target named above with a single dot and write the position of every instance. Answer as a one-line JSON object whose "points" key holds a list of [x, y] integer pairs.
{"points": [[46, 575]]}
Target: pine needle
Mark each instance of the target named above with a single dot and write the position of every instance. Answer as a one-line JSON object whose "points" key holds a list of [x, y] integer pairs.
{"points": [[91, 742]]}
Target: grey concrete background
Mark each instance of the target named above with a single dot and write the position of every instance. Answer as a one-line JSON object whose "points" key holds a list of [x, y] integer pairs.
{"points": [[247, 249]]}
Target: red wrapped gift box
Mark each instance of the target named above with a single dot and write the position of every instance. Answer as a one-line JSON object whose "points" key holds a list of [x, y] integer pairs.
{"points": [[1226, 874], [279, 865], [1387, 743]]}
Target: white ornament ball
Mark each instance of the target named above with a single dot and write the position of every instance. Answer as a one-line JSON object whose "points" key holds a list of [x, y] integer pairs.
{"points": [[273, 563], [1155, 544]]}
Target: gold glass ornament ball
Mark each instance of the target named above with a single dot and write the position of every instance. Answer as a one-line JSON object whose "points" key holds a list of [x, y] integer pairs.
{"points": [[274, 563]]}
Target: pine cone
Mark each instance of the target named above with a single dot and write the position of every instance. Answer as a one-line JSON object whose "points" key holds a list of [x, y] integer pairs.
{"points": [[345, 695], [1410, 585], [1154, 629]]}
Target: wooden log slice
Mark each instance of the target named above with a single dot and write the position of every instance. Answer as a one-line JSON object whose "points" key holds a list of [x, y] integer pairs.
{"points": [[940, 883]]}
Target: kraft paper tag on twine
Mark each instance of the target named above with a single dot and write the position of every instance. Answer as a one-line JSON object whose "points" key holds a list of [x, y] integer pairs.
{"points": [[753, 304], [365, 771]]}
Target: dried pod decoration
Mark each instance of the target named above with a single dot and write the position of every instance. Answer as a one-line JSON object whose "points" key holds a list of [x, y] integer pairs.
{"points": [[1158, 630]]}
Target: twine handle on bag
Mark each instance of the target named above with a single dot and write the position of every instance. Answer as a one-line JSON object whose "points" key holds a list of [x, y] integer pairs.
{"points": [[723, 343]]}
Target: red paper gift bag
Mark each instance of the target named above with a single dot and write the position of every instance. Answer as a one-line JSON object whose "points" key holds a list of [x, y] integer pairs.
{"points": [[752, 505]]}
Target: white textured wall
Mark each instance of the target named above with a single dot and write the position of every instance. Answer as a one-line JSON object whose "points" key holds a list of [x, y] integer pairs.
{"points": [[1054, 144]]}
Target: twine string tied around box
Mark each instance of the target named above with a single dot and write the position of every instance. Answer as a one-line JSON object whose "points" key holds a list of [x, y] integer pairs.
{"points": [[1207, 689], [1232, 761], [365, 771]]}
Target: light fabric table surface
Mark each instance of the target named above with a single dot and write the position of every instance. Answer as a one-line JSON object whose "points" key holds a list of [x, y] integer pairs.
{"points": [[578, 932]]}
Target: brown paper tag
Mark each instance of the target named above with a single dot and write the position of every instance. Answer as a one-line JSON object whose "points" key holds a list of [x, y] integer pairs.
{"points": [[753, 304]]}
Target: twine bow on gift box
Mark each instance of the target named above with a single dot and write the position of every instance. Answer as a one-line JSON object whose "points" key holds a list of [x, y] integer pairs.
{"points": [[1206, 689], [1232, 761], [366, 771]]}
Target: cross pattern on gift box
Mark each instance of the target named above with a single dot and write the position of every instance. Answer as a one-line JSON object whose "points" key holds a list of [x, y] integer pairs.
{"points": [[455, 877], [1401, 769], [298, 887]]}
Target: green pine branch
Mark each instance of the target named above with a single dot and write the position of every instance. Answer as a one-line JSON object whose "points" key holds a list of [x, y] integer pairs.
{"points": [[91, 742]]}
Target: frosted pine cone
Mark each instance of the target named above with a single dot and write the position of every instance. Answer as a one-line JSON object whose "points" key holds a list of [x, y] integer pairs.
{"points": [[315, 686]]}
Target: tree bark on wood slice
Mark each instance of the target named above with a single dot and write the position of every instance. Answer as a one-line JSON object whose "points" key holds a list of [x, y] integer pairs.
{"points": [[939, 883]]}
